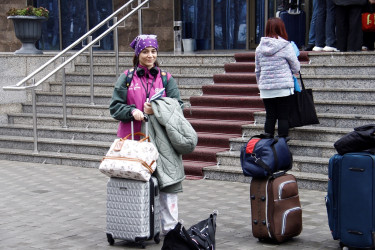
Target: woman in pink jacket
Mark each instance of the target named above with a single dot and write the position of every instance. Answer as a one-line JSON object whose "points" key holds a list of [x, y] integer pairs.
{"points": [[130, 101]]}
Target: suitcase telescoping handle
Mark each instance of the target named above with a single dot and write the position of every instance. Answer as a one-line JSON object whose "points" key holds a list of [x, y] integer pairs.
{"points": [[132, 125], [297, 11]]}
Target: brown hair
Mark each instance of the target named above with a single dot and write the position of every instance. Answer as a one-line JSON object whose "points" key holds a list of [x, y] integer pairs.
{"points": [[275, 27]]}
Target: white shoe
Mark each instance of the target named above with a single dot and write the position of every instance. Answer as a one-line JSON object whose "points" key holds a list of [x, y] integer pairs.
{"points": [[330, 49], [316, 48]]}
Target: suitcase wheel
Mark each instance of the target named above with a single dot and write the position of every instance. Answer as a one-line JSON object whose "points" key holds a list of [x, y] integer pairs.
{"points": [[157, 238], [110, 239]]}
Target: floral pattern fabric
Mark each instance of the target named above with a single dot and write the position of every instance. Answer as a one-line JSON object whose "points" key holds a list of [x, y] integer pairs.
{"points": [[130, 159]]}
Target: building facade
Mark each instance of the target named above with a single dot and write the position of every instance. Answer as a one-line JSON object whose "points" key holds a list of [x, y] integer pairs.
{"points": [[211, 24]]}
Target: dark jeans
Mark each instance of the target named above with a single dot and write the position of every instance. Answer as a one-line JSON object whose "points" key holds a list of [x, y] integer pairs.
{"points": [[277, 109], [349, 28]]}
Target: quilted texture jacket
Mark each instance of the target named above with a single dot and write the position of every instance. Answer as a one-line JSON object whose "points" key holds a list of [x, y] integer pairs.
{"points": [[173, 136], [275, 60]]}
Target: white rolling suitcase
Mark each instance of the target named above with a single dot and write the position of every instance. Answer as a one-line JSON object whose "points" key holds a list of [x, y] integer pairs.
{"points": [[133, 210]]}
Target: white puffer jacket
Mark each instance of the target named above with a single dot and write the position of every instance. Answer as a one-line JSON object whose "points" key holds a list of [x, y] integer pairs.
{"points": [[275, 60]]}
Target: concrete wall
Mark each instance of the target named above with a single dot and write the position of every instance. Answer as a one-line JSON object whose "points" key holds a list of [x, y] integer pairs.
{"points": [[13, 68]]}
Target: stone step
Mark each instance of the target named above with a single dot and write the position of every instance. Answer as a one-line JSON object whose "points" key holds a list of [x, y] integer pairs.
{"points": [[81, 98], [59, 146], [107, 88], [223, 113], [71, 109], [339, 69], [174, 69], [58, 132], [78, 121], [239, 78], [306, 133], [335, 120], [240, 67], [181, 79], [305, 180], [341, 58], [48, 157], [363, 94], [163, 58], [250, 56], [227, 101], [345, 107], [339, 81]]}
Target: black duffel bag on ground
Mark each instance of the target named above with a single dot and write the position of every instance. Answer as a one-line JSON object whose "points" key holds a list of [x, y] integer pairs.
{"points": [[362, 138], [200, 236]]}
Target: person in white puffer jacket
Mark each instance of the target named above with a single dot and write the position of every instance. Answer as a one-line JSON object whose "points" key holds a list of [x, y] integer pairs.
{"points": [[275, 64]]}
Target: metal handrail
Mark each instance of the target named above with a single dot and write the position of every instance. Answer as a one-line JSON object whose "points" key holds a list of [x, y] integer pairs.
{"points": [[18, 85], [91, 42]]}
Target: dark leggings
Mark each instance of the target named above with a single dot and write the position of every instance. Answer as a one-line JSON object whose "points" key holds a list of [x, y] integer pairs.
{"points": [[277, 109]]}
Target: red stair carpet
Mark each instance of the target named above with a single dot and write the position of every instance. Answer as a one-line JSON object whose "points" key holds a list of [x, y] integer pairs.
{"points": [[220, 112]]}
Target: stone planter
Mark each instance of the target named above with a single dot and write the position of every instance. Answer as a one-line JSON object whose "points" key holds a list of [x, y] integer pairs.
{"points": [[28, 30]]}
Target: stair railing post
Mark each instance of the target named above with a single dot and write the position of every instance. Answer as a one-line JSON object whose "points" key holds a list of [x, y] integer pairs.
{"points": [[91, 72], [35, 129], [115, 45], [64, 95], [140, 18]]}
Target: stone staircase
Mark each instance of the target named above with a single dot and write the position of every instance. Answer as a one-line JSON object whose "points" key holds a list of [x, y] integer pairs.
{"points": [[224, 109], [343, 85], [90, 128]]}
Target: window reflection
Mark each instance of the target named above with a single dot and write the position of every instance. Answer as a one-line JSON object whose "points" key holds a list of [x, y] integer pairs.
{"points": [[74, 23], [50, 39], [230, 24], [197, 22]]}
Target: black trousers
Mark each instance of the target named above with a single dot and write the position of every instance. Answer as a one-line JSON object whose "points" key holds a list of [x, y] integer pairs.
{"points": [[277, 109], [349, 27]]}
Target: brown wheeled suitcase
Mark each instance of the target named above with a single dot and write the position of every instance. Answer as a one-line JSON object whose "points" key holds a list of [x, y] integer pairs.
{"points": [[276, 211]]}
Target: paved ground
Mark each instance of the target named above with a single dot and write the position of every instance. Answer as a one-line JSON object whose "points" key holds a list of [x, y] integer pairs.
{"points": [[62, 207]]}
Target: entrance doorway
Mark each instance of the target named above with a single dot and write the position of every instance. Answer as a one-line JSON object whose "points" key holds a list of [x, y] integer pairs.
{"points": [[70, 19]]}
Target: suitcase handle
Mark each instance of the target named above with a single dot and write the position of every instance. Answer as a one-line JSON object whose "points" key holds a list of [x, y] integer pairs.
{"points": [[132, 128], [296, 11]]}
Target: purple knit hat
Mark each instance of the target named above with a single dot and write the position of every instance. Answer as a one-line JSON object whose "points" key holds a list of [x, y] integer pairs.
{"points": [[142, 41]]}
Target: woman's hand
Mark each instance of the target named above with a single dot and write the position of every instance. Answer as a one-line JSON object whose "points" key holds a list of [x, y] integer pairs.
{"points": [[138, 115], [372, 1], [147, 108]]}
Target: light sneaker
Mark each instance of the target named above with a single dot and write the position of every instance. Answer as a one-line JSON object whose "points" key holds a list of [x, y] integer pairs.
{"points": [[330, 49], [316, 48]]}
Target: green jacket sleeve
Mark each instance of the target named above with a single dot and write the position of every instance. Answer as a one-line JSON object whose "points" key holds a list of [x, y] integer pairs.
{"points": [[172, 91], [118, 107]]}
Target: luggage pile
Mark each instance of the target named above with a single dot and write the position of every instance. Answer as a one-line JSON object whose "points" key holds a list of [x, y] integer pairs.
{"points": [[133, 206], [276, 211]]}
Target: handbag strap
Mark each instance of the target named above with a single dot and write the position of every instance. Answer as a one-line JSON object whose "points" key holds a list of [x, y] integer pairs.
{"points": [[300, 77], [137, 133]]}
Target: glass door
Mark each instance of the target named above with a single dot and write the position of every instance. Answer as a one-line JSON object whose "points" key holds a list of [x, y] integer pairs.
{"points": [[230, 24], [70, 19]]}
